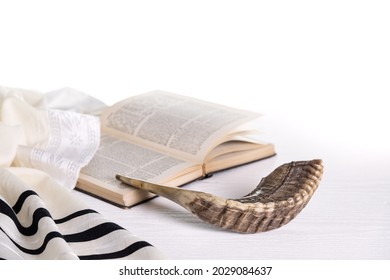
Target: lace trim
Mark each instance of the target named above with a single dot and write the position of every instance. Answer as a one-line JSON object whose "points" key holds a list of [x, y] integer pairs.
{"points": [[73, 140]]}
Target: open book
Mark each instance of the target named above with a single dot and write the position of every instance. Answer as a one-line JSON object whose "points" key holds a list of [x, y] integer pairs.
{"points": [[168, 139]]}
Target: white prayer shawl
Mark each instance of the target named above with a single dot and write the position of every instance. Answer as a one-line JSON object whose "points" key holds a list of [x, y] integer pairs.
{"points": [[41, 153]]}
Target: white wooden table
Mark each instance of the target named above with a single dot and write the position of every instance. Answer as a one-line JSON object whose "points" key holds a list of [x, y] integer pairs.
{"points": [[347, 218]]}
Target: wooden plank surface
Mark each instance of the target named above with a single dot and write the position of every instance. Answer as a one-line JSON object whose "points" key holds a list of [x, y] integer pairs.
{"points": [[347, 218]]}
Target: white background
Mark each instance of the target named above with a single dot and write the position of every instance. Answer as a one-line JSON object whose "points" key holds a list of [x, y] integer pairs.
{"points": [[327, 60], [325, 64], [318, 70]]}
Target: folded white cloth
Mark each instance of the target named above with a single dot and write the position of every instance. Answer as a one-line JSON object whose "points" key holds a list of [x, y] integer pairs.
{"points": [[55, 141], [69, 99], [41, 153]]}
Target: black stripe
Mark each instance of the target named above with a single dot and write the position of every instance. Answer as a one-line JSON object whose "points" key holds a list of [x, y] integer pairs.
{"points": [[75, 215], [39, 213], [51, 235], [21, 199], [119, 254], [92, 233]]}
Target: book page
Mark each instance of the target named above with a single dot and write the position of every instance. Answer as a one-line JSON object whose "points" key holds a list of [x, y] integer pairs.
{"points": [[176, 124], [115, 156]]}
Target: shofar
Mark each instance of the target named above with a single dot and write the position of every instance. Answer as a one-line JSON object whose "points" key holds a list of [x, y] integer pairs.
{"points": [[277, 199]]}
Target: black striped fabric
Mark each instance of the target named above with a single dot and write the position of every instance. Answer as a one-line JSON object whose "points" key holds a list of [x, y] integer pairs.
{"points": [[32, 226]]}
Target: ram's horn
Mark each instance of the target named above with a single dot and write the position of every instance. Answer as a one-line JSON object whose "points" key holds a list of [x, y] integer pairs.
{"points": [[277, 199]]}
